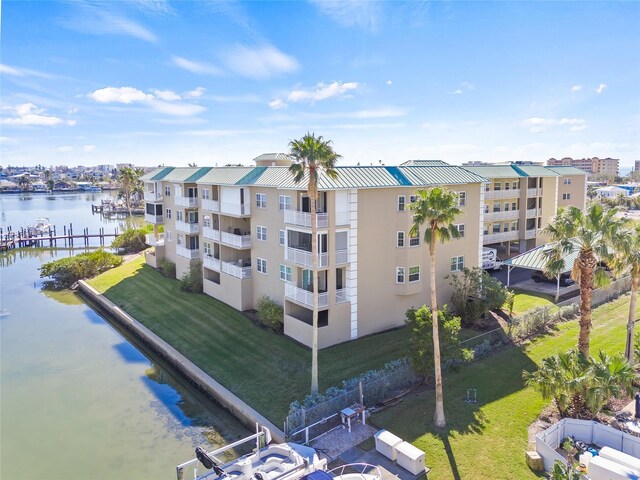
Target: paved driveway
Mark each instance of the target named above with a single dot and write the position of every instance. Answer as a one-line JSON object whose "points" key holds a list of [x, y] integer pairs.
{"points": [[521, 278]]}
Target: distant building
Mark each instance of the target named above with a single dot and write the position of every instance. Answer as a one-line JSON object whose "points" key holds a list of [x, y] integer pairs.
{"points": [[611, 192], [604, 166], [637, 169]]}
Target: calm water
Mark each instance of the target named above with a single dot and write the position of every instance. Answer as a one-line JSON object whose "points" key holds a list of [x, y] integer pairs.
{"points": [[77, 399]]}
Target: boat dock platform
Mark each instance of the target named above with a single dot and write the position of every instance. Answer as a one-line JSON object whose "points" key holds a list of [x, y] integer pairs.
{"points": [[23, 237]]}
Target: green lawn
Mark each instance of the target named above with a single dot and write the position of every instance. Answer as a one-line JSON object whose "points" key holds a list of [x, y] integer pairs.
{"points": [[488, 440], [266, 370], [526, 301]]}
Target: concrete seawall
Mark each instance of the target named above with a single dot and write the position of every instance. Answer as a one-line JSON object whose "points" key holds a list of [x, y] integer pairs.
{"points": [[243, 412]]}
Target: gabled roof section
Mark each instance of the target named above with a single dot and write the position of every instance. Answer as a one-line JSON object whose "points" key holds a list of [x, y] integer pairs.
{"points": [[536, 259], [443, 175], [225, 175], [495, 171], [567, 170], [180, 175], [156, 174], [199, 174], [271, 157], [398, 175], [273, 177], [535, 170], [252, 176], [348, 177], [424, 163]]}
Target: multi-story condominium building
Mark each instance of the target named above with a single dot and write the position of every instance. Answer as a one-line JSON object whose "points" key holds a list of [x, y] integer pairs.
{"points": [[251, 229], [637, 167], [603, 166]]}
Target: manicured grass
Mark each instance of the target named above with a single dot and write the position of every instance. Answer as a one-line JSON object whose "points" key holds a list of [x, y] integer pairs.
{"points": [[487, 440], [526, 301], [266, 370]]}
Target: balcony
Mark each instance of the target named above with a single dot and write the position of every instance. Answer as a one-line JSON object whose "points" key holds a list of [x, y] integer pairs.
{"points": [[304, 258], [496, 216], [187, 252], [236, 209], [152, 196], [211, 263], [186, 227], [236, 270], [189, 202], [534, 212], [341, 296], [235, 240], [305, 297], [211, 205], [152, 241], [155, 219], [500, 194], [211, 233], [534, 192], [500, 237], [342, 256], [529, 234], [303, 219]]}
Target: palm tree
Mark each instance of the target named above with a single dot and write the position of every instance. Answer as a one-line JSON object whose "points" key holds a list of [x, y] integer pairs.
{"points": [[25, 182], [436, 207], [130, 183], [313, 155], [590, 234], [627, 258]]}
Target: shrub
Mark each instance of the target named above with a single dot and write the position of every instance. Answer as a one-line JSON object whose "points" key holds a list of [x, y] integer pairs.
{"points": [[475, 292], [191, 281], [130, 241], [66, 271], [270, 314], [168, 268]]}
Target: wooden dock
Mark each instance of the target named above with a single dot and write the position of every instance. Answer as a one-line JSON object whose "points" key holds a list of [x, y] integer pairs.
{"points": [[10, 239]]}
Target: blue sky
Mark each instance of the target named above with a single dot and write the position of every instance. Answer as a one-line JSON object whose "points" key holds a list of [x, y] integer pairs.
{"points": [[211, 82]]}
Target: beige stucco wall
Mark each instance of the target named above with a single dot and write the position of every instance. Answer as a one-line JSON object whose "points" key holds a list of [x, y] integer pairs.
{"points": [[577, 191]]}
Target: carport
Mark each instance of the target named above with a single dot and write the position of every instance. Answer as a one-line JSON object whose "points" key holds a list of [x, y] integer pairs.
{"points": [[535, 259]]}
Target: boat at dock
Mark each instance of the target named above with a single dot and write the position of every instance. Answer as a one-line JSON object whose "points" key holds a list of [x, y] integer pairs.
{"points": [[41, 227]]}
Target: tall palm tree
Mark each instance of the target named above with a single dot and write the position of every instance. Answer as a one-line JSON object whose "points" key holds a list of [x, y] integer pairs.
{"points": [[627, 259], [591, 235], [313, 155], [130, 183], [436, 208]]}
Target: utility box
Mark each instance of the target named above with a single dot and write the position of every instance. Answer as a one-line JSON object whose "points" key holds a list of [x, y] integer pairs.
{"points": [[410, 458], [386, 443]]}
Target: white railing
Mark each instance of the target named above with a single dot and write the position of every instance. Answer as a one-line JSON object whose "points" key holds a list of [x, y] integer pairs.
{"points": [[532, 212], [304, 258], [342, 256], [236, 270], [500, 194], [186, 227], [233, 240], [235, 208], [508, 215], [303, 219], [304, 296], [152, 241], [529, 234], [187, 252], [500, 237], [532, 192], [341, 296], [211, 233], [211, 263], [187, 201], [210, 205], [342, 218], [152, 196], [153, 218]]}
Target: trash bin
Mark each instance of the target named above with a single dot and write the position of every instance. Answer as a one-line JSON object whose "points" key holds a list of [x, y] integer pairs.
{"points": [[386, 443]]}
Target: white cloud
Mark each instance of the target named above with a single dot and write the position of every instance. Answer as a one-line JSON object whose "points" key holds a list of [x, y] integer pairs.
{"points": [[7, 140], [539, 124], [177, 109], [120, 95], [71, 123], [349, 13], [277, 104], [601, 88], [200, 68], [166, 95], [389, 82], [102, 19], [260, 62], [22, 72], [159, 7], [88, 148], [6, 69], [576, 88], [322, 92], [195, 93], [457, 92], [65, 149], [29, 114], [464, 86]]}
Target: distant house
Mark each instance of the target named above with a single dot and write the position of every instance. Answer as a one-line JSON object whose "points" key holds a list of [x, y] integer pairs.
{"points": [[611, 192]]}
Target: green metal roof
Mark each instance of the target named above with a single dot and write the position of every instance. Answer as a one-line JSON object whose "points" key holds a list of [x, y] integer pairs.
{"points": [[252, 176], [225, 175], [348, 177], [198, 174], [180, 175], [442, 175], [156, 174], [536, 260], [273, 177], [535, 170], [424, 163], [567, 170], [494, 171], [398, 175]]}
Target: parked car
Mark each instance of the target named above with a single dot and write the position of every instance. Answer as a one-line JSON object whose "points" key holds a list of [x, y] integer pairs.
{"points": [[539, 276]]}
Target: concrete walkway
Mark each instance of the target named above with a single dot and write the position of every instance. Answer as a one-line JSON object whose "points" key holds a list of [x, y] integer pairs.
{"points": [[338, 440]]}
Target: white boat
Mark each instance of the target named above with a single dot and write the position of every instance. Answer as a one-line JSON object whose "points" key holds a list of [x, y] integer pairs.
{"points": [[351, 471], [41, 226], [285, 461]]}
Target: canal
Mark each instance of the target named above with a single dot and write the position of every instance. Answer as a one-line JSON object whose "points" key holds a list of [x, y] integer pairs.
{"points": [[77, 398]]}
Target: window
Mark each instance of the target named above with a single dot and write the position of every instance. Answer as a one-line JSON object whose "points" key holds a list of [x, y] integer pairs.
{"points": [[261, 200], [485, 230], [516, 185], [462, 199], [167, 235], [496, 207], [567, 181], [497, 186], [179, 215], [505, 227], [261, 233], [205, 194], [192, 217], [206, 222], [167, 213], [486, 208], [285, 273], [507, 186], [401, 203], [207, 249], [167, 191], [399, 274], [514, 226], [412, 199], [566, 196], [262, 265], [281, 237], [496, 228], [514, 206], [179, 239], [414, 240], [506, 207], [414, 274], [460, 227], [284, 202], [457, 263], [400, 242]]}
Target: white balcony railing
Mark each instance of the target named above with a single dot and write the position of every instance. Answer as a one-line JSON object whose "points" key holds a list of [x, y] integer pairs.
{"points": [[211, 233], [500, 194], [187, 252], [152, 196], [152, 241], [156, 219], [236, 271], [341, 296], [233, 240], [211, 205], [236, 209], [342, 218], [508, 215], [304, 296], [500, 237], [533, 192], [532, 212], [186, 227], [304, 258], [211, 263], [342, 256], [303, 219], [529, 234], [187, 201]]}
